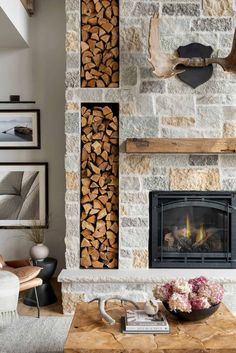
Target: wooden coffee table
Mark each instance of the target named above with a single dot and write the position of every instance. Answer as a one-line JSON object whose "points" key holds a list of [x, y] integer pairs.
{"points": [[89, 334]]}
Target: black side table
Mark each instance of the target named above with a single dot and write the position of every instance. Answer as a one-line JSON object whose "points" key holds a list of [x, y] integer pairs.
{"points": [[45, 292]]}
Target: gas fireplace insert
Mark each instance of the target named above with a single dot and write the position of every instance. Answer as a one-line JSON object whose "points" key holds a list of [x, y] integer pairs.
{"points": [[192, 229]]}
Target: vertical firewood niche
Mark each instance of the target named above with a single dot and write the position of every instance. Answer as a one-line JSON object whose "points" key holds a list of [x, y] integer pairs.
{"points": [[100, 43], [99, 186]]}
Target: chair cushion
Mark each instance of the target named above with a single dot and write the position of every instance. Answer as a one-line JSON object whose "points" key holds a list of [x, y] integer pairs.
{"points": [[25, 273], [31, 284]]}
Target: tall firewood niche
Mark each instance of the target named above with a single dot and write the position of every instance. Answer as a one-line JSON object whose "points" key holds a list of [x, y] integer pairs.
{"points": [[100, 43], [99, 186]]}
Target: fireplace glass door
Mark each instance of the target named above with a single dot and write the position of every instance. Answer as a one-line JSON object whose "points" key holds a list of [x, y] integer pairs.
{"points": [[191, 230]]}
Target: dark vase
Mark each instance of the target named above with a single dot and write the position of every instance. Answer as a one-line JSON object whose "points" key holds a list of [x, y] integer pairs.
{"points": [[195, 315]]}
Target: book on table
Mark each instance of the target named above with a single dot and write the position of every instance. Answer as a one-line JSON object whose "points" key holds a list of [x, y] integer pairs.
{"points": [[137, 321]]}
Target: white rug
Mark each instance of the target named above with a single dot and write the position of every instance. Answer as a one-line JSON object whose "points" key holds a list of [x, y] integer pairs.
{"points": [[32, 335]]}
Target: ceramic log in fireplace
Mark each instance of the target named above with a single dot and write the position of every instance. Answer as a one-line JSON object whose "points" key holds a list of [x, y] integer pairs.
{"points": [[192, 229]]}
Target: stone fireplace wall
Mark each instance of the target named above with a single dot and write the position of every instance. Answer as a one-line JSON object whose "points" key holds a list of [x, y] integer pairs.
{"points": [[151, 107]]}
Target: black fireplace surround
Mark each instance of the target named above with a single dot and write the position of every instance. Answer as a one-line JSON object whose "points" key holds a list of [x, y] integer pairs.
{"points": [[192, 229]]}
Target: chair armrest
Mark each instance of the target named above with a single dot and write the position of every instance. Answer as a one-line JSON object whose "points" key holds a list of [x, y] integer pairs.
{"points": [[18, 263]]}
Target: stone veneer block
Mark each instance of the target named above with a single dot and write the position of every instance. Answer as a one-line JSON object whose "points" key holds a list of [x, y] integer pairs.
{"points": [[195, 179], [212, 24], [72, 181], [178, 121], [202, 160], [181, 9], [217, 7], [140, 258], [70, 301], [230, 129], [134, 164]]}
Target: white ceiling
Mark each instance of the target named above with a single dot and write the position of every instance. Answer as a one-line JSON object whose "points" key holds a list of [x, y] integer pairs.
{"points": [[14, 23]]}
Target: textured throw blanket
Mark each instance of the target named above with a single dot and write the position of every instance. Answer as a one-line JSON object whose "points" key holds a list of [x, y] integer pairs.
{"points": [[9, 293]]}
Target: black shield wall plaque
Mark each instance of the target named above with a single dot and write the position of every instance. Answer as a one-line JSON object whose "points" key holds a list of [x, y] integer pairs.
{"points": [[195, 76]]}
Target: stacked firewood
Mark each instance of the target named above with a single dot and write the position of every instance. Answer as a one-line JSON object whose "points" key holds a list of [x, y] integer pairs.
{"points": [[99, 187], [100, 43]]}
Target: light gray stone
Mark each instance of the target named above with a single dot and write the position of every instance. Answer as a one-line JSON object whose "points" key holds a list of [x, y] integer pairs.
{"points": [[147, 73], [226, 40], [227, 161], [129, 184], [72, 210], [212, 24], [190, 133], [73, 61], [73, 143], [181, 9], [142, 8], [180, 25], [129, 76], [152, 87], [134, 210], [72, 163], [169, 105], [72, 79], [229, 184], [72, 123], [88, 94], [229, 173], [72, 229], [214, 99], [72, 5], [209, 116], [134, 237], [132, 197], [229, 113], [155, 183], [72, 21], [203, 160], [138, 127], [170, 160], [124, 263], [131, 39], [134, 222], [72, 196], [126, 253]]}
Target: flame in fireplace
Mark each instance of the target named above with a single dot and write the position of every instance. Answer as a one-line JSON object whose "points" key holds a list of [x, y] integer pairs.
{"points": [[201, 234], [188, 227]]}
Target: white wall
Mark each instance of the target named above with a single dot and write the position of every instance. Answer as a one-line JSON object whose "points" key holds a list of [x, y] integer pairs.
{"points": [[37, 74]]}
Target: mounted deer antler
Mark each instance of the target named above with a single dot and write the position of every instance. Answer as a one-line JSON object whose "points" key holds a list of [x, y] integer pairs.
{"points": [[165, 66]]}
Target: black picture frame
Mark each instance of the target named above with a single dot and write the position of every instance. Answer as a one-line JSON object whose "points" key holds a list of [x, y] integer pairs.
{"points": [[29, 186], [18, 140]]}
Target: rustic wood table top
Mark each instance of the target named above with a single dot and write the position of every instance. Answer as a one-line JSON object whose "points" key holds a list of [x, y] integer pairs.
{"points": [[89, 334]]}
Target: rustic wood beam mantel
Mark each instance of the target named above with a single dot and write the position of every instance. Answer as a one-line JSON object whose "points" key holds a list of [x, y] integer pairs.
{"points": [[29, 6], [185, 145]]}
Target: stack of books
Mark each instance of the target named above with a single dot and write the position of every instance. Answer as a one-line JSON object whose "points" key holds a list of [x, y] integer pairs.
{"points": [[137, 321]]}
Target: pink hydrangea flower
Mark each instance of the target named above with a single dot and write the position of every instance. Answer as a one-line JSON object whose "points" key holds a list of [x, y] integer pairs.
{"points": [[163, 291], [199, 303], [179, 302], [182, 286], [214, 292], [197, 282]]}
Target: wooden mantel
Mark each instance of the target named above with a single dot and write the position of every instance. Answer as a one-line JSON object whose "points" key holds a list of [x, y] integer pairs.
{"points": [[185, 145]]}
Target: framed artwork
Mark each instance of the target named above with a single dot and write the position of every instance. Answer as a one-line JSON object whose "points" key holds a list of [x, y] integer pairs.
{"points": [[20, 129], [23, 195]]}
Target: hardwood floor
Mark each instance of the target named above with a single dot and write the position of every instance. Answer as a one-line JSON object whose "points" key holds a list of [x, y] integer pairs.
{"points": [[50, 310]]}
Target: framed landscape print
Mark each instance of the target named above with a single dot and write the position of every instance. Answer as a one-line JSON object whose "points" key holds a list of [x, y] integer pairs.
{"points": [[23, 195], [20, 129]]}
